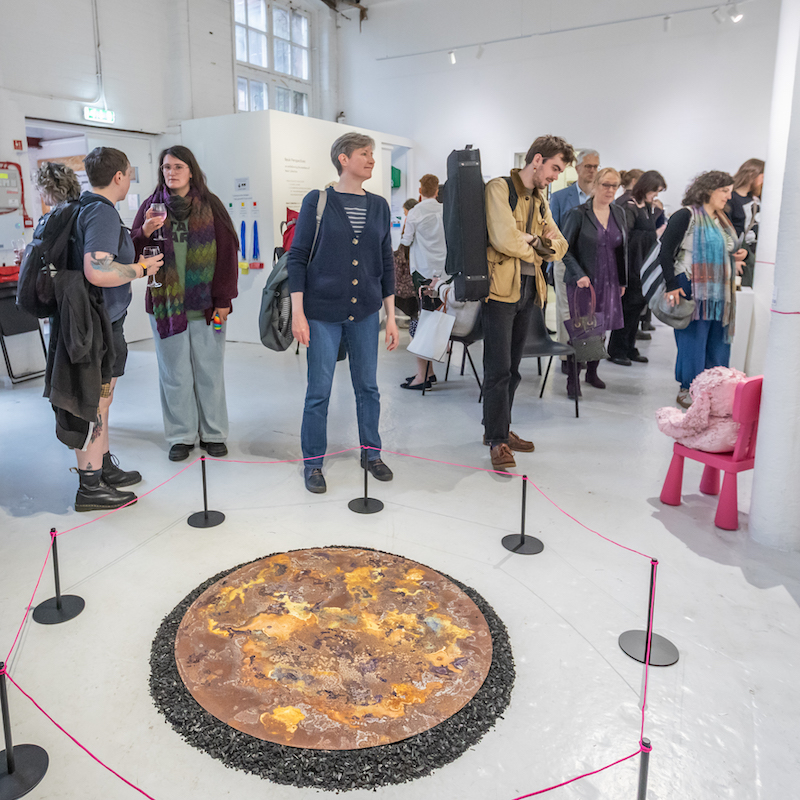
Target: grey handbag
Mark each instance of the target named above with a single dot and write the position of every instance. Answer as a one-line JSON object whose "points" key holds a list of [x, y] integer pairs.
{"points": [[678, 316]]}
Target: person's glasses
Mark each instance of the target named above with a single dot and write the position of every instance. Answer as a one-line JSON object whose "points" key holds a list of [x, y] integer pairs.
{"points": [[613, 186], [173, 168]]}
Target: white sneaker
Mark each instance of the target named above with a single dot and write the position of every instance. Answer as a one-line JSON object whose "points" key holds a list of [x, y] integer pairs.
{"points": [[684, 399]]}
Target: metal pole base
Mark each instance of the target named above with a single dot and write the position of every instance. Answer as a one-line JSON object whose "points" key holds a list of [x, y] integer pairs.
{"points": [[524, 545], [365, 505], [662, 652], [206, 519], [48, 612], [31, 763]]}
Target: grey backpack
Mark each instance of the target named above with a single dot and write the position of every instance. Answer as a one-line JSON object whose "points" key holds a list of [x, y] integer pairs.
{"points": [[275, 317]]}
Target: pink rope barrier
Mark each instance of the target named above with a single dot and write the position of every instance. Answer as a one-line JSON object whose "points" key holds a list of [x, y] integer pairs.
{"points": [[786, 313], [70, 736]]}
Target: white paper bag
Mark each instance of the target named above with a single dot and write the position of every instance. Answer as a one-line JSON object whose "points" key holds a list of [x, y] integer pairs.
{"points": [[432, 336]]}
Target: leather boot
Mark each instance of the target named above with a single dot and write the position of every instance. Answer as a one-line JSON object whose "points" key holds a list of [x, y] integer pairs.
{"points": [[94, 495], [591, 375], [116, 477], [573, 388]]}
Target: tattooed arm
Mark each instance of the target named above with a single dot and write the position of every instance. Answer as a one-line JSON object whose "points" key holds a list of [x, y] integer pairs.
{"points": [[102, 270]]}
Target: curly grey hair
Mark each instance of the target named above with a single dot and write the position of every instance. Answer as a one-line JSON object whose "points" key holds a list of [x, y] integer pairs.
{"points": [[56, 183], [347, 145]]}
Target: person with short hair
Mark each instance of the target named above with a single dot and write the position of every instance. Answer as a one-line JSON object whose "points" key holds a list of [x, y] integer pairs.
{"points": [[424, 235], [56, 183], [520, 240], [337, 291], [700, 261], [108, 259], [597, 234]]}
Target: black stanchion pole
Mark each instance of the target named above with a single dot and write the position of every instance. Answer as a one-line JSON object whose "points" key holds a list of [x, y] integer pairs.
{"points": [[205, 518], [60, 608], [525, 545], [25, 764], [644, 764], [634, 643], [365, 504]]}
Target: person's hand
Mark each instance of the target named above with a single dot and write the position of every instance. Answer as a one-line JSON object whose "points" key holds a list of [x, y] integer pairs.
{"points": [[740, 254], [739, 268], [551, 232], [392, 334], [152, 264], [658, 204], [621, 291], [528, 237], [300, 329], [152, 223], [584, 282], [223, 313], [674, 297]]}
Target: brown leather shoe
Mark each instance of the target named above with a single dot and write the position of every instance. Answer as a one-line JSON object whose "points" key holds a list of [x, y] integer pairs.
{"points": [[502, 457], [520, 445]]}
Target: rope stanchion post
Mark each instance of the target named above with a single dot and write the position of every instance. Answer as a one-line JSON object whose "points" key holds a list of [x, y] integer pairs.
{"points": [[522, 544], [60, 608], [635, 643], [644, 765], [24, 765], [205, 518], [365, 504]]}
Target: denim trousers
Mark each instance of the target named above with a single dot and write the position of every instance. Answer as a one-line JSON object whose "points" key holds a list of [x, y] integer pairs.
{"points": [[505, 329], [361, 341], [701, 345]]}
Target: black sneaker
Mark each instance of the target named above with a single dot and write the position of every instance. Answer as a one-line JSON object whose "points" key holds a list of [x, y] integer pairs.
{"points": [[116, 477], [378, 469], [214, 449], [315, 481], [180, 451]]}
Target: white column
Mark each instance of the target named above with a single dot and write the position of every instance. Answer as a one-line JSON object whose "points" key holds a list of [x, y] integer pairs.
{"points": [[775, 508]]}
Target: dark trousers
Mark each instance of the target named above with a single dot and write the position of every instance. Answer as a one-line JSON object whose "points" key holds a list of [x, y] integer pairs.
{"points": [[505, 328], [622, 343]]}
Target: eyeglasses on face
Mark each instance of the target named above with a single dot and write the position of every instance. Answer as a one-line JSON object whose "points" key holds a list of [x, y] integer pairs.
{"points": [[613, 186], [173, 167]]}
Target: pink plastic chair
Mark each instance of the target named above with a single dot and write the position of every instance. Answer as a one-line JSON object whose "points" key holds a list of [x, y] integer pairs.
{"points": [[746, 406]]}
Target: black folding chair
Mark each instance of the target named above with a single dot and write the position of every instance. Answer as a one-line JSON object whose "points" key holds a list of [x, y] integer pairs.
{"points": [[475, 335]]}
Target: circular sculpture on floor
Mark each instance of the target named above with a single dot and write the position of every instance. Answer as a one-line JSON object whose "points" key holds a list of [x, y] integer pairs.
{"points": [[338, 668]]}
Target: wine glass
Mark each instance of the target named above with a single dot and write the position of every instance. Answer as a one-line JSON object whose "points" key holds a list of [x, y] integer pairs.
{"points": [[159, 212], [148, 252]]}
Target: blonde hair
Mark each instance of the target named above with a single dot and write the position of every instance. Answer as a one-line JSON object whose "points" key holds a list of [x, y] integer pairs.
{"points": [[601, 173]]}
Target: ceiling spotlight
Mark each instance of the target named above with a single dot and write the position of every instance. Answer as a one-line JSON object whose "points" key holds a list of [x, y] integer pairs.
{"points": [[719, 17], [734, 13], [480, 51], [452, 55], [667, 23]]}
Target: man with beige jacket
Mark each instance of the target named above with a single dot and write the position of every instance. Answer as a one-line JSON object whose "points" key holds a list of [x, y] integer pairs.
{"points": [[522, 234]]}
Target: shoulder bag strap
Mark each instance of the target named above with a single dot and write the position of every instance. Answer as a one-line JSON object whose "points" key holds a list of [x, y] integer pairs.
{"points": [[321, 201]]}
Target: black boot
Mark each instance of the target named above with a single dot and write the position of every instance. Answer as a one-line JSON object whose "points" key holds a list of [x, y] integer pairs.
{"points": [[94, 495], [591, 375], [116, 477], [573, 387]]}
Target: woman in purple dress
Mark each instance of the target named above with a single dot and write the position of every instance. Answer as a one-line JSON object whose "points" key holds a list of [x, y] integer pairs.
{"points": [[597, 233]]}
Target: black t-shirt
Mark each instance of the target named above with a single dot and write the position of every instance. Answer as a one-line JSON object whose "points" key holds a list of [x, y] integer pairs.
{"points": [[740, 211]]}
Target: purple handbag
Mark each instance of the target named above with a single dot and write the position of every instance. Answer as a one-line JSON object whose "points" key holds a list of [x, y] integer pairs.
{"points": [[586, 329]]}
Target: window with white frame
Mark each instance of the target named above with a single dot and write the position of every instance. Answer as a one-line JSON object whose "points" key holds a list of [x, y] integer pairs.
{"points": [[273, 68]]}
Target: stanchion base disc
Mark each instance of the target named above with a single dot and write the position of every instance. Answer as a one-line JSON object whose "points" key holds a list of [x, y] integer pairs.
{"points": [[31, 763], [524, 545], [211, 519], [365, 505], [662, 652], [48, 613]]}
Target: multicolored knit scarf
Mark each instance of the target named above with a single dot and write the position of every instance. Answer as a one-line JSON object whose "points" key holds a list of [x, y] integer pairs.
{"points": [[712, 275], [173, 299]]}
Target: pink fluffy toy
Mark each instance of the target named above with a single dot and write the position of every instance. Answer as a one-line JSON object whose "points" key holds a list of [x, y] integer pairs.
{"points": [[708, 424]]}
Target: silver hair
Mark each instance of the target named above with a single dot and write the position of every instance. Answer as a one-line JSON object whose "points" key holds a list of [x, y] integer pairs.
{"points": [[56, 183], [581, 154], [347, 145]]}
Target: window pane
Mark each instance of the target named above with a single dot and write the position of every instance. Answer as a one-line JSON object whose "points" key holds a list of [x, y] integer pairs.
{"points": [[300, 62], [258, 48], [299, 29], [301, 103], [280, 23], [283, 99], [241, 94], [282, 56], [258, 96], [241, 43], [257, 14], [238, 11]]}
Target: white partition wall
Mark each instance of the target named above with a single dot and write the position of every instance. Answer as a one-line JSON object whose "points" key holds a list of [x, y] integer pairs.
{"points": [[261, 163]]}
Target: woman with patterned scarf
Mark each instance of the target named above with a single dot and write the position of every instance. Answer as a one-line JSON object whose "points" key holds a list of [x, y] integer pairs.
{"points": [[699, 263], [198, 281]]}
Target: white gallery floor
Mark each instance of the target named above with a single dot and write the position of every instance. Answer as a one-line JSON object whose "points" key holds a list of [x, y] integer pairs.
{"points": [[723, 720]]}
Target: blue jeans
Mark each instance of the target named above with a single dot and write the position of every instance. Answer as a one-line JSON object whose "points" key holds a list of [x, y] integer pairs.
{"points": [[361, 340], [701, 345]]}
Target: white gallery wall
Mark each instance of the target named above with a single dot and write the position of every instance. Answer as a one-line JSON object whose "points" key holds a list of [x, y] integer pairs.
{"points": [[694, 98]]}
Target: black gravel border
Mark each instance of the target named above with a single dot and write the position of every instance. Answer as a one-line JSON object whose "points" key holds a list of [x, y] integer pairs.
{"points": [[333, 770]]}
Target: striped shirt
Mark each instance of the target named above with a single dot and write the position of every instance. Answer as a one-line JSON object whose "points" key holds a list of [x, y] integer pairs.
{"points": [[355, 206]]}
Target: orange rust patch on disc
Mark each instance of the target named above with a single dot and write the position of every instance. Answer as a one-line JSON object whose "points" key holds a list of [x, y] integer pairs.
{"points": [[333, 649]]}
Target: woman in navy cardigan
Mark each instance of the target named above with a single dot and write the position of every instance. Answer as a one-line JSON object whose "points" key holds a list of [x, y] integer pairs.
{"points": [[337, 291]]}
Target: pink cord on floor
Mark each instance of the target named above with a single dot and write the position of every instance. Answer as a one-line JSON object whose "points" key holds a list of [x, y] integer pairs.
{"points": [[70, 736], [787, 313], [287, 460]]}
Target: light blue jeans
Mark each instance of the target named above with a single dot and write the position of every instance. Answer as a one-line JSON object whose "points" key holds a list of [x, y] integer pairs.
{"points": [[192, 383], [361, 340]]}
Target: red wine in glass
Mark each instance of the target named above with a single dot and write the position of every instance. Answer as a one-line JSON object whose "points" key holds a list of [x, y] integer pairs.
{"points": [[159, 212], [149, 252]]}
